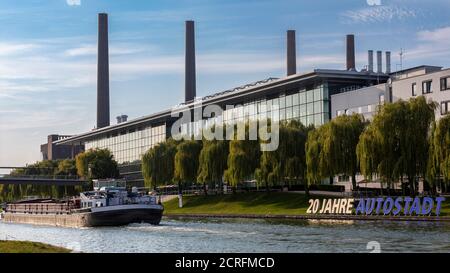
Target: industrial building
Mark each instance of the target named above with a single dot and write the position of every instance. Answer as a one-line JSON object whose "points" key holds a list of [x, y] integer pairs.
{"points": [[51, 151], [306, 97]]}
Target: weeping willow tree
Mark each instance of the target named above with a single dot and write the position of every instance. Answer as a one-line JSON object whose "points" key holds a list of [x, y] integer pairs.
{"points": [[340, 139], [243, 159], [396, 142], [287, 164], [420, 117], [212, 161], [158, 164], [439, 154], [313, 147], [186, 162]]}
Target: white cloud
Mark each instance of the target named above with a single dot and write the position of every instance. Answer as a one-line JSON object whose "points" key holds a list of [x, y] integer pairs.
{"points": [[117, 49], [378, 14], [73, 2], [439, 35], [432, 47], [15, 48]]}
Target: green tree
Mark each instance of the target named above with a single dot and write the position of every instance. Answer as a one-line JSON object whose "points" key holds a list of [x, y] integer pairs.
{"points": [[158, 164], [67, 167], [287, 164], [213, 161], [396, 142], [313, 149], [187, 162], [243, 159], [97, 164], [439, 154]]}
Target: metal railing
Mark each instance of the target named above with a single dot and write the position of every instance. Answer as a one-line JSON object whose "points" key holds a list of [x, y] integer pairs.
{"points": [[37, 176]]}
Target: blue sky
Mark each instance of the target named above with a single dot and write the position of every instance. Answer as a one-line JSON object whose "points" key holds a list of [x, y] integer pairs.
{"points": [[48, 53]]}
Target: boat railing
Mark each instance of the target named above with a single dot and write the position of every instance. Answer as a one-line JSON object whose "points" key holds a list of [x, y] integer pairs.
{"points": [[41, 208]]}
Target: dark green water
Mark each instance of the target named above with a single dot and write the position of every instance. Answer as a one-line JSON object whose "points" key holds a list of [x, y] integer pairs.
{"points": [[241, 235]]}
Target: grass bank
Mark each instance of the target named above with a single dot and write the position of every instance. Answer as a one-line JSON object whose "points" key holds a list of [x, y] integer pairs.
{"points": [[241, 203], [29, 247], [275, 203]]}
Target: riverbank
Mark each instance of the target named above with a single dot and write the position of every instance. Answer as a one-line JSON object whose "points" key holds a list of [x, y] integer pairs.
{"points": [[29, 247], [275, 205]]}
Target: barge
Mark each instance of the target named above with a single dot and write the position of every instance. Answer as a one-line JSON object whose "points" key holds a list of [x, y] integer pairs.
{"points": [[109, 204]]}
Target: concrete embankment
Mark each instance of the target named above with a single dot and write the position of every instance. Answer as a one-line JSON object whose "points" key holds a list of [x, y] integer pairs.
{"points": [[314, 217], [59, 220]]}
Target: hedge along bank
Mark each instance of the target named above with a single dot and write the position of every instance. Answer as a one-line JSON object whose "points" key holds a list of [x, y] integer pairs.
{"points": [[377, 206]]}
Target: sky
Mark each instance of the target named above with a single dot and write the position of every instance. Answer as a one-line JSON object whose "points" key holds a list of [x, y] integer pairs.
{"points": [[48, 53]]}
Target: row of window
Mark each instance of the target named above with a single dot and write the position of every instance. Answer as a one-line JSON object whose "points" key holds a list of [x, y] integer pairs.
{"points": [[129, 146], [427, 86]]}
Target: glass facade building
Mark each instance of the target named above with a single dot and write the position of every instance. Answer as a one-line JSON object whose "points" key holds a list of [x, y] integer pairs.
{"points": [[303, 97], [129, 146], [310, 107]]}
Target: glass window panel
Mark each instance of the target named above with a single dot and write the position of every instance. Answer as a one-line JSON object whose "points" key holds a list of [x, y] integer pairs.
{"points": [[326, 106], [289, 100], [317, 95], [310, 109], [302, 97], [276, 102], [309, 96], [282, 102], [325, 91], [318, 107], [295, 99], [296, 111], [303, 110], [289, 113]]}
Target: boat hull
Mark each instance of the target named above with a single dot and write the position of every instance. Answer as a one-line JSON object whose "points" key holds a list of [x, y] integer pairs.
{"points": [[124, 215]]}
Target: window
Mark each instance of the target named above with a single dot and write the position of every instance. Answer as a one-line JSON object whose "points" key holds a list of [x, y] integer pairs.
{"points": [[414, 89], [427, 87], [445, 107], [445, 84]]}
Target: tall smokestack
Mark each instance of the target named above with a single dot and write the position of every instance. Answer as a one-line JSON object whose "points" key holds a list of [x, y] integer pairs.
{"points": [[102, 72], [380, 61], [291, 53], [189, 91], [351, 52], [388, 62], [370, 61]]}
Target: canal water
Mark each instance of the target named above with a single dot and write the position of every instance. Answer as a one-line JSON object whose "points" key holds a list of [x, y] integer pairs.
{"points": [[243, 235]]}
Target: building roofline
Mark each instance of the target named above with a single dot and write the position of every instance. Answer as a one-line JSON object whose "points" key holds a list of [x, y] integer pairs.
{"points": [[414, 68]]}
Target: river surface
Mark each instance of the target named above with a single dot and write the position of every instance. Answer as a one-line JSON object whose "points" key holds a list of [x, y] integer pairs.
{"points": [[243, 235]]}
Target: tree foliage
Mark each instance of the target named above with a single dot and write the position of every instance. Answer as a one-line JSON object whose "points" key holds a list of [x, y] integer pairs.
{"points": [[439, 154], [396, 142], [286, 165], [187, 161], [158, 164], [97, 164], [243, 159], [48, 169], [212, 161]]}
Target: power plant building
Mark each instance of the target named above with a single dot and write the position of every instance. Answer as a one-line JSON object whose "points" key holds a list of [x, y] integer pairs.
{"points": [[307, 97]]}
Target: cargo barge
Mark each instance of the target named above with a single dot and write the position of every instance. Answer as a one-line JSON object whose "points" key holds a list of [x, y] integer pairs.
{"points": [[109, 204]]}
